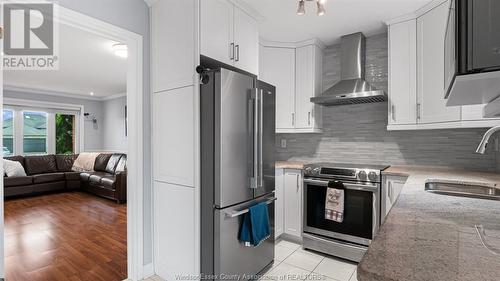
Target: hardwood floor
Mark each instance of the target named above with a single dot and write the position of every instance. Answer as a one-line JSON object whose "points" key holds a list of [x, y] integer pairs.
{"points": [[67, 236]]}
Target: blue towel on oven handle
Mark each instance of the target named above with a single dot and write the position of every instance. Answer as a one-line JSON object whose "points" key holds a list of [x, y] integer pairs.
{"points": [[255, 226]]}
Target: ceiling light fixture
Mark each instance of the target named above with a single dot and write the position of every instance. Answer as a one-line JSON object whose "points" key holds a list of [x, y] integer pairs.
{"points": [[302, 8], [120, 50], [91, 93], [319, 3]]}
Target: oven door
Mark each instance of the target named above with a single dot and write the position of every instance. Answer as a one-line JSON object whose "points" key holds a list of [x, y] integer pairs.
{"points": [[361, 211]]}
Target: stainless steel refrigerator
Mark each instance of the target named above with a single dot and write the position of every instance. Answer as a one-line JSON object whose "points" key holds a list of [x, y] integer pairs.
{"points": [[237, 171]]}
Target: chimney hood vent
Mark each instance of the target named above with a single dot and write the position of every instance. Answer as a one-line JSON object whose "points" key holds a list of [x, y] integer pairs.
{"points": [[352, 88]]}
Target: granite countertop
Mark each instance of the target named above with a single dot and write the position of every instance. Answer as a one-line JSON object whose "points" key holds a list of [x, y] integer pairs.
{"points": [[429, 236], [289, 165]]}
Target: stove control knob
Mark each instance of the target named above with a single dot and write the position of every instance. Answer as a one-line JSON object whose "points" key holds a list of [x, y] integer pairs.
{"points": [[372, 176], [316, 171], [362, 175], [308, 170]]}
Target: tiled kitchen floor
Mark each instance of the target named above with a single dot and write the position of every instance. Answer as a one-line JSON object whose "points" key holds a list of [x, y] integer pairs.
{"points": [[292, 263]]}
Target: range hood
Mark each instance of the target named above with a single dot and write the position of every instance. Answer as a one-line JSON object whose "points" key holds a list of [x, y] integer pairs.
{"points": [[352, 88]]}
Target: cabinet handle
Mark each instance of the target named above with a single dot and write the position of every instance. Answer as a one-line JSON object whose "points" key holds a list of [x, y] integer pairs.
{"points": [[418, 111], [309, 118], [297, 181], [237, 50], [393, 113], [293, 119], [231, 51], [389, 191]]}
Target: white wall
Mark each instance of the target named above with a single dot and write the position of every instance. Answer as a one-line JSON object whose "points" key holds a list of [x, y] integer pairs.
{"points": [[93, 133], [113, 137]]}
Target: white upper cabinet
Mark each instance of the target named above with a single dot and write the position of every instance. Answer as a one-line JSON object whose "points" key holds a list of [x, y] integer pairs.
{"points": [[217, 30], [309, 71], [229, 35], [403, 73], [246, 42], [431, 29], [416, 75], [277, 67], [296, 72], [173, 48]]}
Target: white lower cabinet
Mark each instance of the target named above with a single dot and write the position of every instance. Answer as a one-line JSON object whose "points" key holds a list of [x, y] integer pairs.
{"points": [[391, 188], [291, 208], [279, 216]]}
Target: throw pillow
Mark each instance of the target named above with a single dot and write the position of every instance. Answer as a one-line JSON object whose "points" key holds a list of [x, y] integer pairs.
{"points": [[85, 162], [13, 168]]}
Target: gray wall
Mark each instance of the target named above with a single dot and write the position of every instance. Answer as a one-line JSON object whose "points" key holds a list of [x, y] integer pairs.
{"points": [[113, 122], [358, 134], [132, 15], [92, 133]]}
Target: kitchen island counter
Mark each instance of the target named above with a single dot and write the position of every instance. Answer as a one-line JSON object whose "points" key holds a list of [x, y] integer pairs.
{"points": [[430, 236]]}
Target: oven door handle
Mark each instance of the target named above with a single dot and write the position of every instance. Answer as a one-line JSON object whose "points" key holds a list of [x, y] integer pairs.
{"points": [[361, 187]]}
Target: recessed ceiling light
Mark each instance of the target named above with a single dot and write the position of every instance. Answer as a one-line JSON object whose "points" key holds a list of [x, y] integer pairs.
{"points": [[91, 93], [120, 50]]}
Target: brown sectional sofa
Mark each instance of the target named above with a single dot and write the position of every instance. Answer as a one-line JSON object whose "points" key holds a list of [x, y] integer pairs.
{"points": [[51, 173]]}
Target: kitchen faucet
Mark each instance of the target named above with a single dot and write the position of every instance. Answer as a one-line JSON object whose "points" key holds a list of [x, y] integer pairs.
{"points": [[484, 142]]}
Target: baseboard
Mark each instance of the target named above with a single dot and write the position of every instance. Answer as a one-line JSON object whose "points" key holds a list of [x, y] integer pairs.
{"points": [[148, 270], [291, 238]]}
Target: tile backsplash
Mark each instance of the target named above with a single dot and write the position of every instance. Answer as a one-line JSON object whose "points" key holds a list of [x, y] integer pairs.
{"points": [[358, 134]]}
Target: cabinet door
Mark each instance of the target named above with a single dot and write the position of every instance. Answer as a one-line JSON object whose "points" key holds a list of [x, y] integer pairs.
{"points": [[305, 86], [293, 203], [173, 136], [279, 204], [246, 40], [217, 30], [403, 73], [431, 28], [175, 247], [173, 46], [277, 67], [392, 187]]}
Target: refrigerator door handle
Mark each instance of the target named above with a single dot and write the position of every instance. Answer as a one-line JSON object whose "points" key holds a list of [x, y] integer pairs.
{"points": [[261, 142], [255, 179], [234, 214]]}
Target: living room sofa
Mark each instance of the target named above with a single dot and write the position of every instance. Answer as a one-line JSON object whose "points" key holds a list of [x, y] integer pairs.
{"points": [[52, 173]]}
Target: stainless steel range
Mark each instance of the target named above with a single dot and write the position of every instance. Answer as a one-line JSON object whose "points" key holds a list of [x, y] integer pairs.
{"points": [[362, 201]]}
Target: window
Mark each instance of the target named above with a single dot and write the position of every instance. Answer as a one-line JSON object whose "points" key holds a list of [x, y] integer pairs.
{"points": [[38, 130], [8, 132], [65, 133], [34, 132]]}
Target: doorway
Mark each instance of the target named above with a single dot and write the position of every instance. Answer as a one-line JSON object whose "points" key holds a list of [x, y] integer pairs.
{"points": [[134, 101]]}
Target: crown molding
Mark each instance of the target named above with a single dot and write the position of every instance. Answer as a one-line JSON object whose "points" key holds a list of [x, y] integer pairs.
{"points": [[418, 13], [150, 3], [249, 10], [292, 45], [47, 92], [112, 97]]}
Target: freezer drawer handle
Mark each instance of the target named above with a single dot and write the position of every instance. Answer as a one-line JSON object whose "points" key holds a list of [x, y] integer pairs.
{"points": [[234, 214]]}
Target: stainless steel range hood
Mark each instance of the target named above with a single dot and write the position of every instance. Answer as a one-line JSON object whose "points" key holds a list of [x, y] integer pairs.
{"points": [[352, 88]]}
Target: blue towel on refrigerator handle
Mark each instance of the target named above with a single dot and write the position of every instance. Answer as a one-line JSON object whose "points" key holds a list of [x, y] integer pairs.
{"points": [[255, 225]]}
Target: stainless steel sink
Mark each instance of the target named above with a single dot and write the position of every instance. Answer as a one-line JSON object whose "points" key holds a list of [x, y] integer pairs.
{"points": [[463, 190]]}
